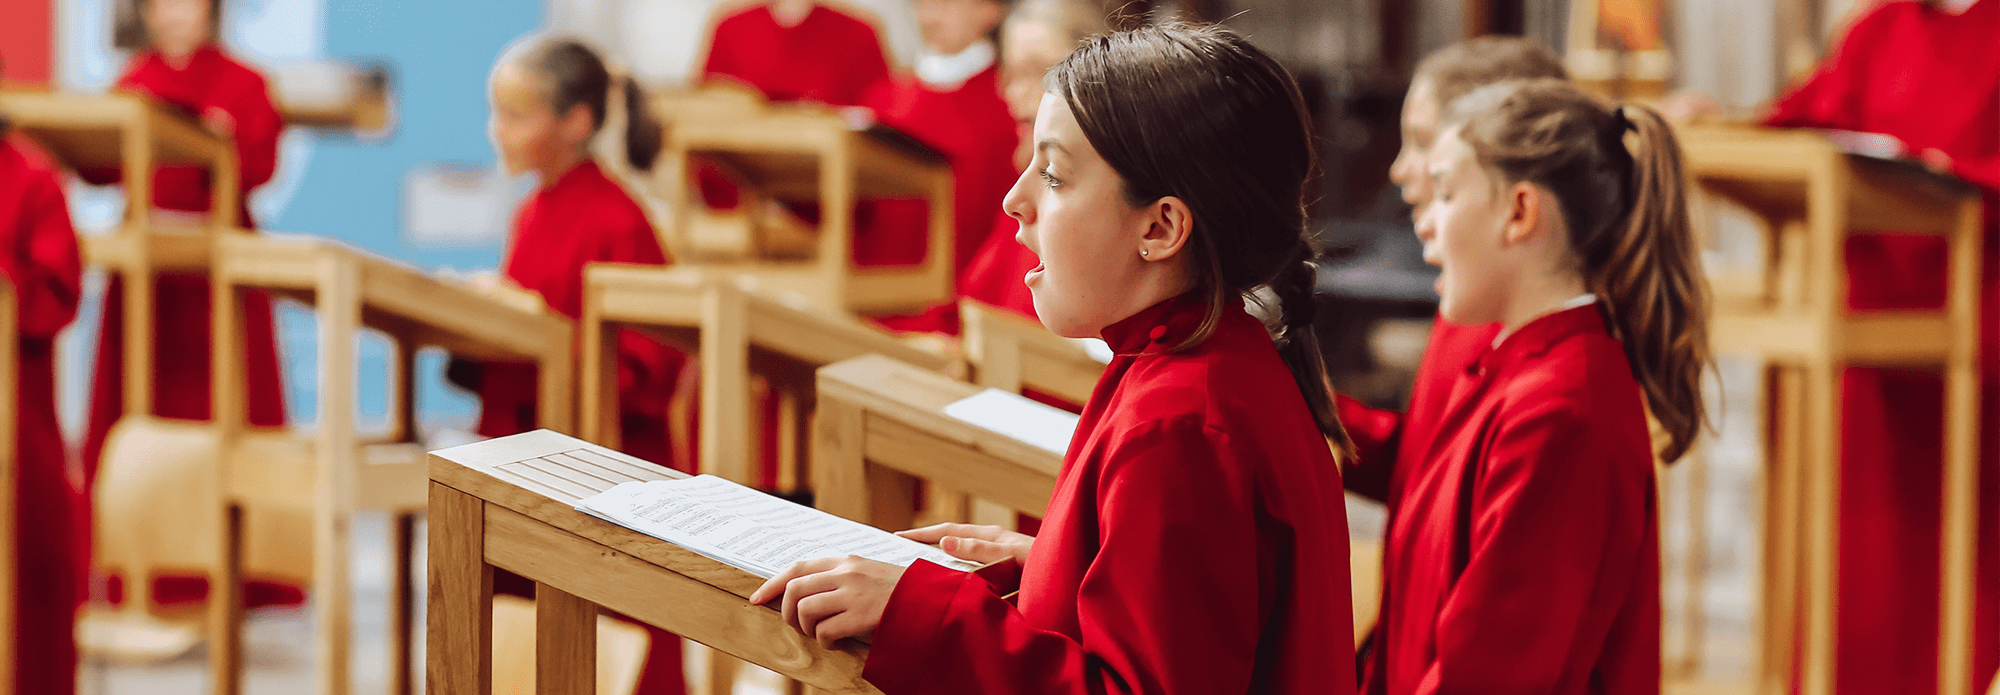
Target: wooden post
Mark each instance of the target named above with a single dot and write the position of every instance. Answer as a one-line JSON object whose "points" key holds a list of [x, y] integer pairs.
{"points": [[1960, 515], [597, 370], [726, 406], [339, 299], [565, 643], [10, 432], [459, 629]]}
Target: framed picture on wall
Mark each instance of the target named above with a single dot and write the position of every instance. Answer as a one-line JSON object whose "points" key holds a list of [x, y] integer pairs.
{"points": [[1619, 47]]}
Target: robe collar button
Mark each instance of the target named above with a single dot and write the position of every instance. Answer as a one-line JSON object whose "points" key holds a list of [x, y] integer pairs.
{"points": [[1159, 332]]}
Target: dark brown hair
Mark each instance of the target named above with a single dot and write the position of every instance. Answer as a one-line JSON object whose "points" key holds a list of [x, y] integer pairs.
{"points": [[1456, 70], [1627, 218], [572, 74], [1197, 113], [128, 25]]}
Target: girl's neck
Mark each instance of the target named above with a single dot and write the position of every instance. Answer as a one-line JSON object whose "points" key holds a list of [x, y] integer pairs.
{"points": [[557, 169], [1539, 297], [180, 61], [790, 13]]}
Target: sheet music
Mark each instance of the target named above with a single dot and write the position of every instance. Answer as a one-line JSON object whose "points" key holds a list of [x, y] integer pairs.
{"points": [[1015, 416], [748, 529]]}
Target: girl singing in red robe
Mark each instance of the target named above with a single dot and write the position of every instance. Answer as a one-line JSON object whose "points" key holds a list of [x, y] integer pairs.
{"points": [[1197, 541], [183, 67], [38, 257], [1522, 553], [1927, 73], [549, 100]]}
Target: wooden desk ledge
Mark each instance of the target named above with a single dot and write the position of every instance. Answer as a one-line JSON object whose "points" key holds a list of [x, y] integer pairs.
{"points": [[87, 130], [396, 297], [512, 499]]}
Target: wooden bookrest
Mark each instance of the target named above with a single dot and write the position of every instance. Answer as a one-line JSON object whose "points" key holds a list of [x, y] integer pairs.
{"points": [[1810, 196], [510, 503], [804, 153], [1011, 352], [737, 333], [332, 471]]}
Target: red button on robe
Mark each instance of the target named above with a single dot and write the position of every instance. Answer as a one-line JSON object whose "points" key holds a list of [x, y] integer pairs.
{"points": [[38, 256], [1196, 542], [1522, 553], [1932, 80], [211, 82]]}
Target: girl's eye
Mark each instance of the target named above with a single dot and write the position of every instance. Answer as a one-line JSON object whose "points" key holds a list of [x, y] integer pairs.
{"points": [[1049, 179]]}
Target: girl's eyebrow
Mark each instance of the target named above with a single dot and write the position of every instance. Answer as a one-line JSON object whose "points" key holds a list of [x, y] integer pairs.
{"points": [[1047, 144]]}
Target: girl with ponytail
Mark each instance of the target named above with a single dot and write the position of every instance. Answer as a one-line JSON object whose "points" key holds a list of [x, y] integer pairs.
{"points": [[549, 98], [1197, 539], [1522, 553]]}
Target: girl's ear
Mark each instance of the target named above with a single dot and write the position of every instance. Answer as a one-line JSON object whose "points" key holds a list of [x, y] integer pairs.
{"points": [[575, 124], [1526, 203], [1169, 224]]}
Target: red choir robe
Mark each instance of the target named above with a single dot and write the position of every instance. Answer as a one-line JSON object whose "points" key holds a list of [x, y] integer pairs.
{"points": [[1933, 81], [582, 218], [211, 82], [38, 256], [1522, 554], [1196, 542], [829, 57], [970, 125]]}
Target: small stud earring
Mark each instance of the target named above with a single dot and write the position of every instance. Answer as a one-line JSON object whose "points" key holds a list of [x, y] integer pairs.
{"points": [[1145, 252]]}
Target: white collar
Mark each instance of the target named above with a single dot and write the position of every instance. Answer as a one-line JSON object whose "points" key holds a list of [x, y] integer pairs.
{"points": [[1581, 300], [945, 72]]}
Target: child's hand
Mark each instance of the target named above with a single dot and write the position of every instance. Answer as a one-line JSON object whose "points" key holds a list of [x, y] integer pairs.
{"points": [[833, 598], [981, 544], [1937, 160], [218, 121]]}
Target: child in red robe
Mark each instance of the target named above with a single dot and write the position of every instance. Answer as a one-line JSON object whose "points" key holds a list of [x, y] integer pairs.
{"points": [[183, 67], [1522, 553], [1036, 36], [952, 103], [789, 50], [1197, 541], [38, 257], [549, 99], [1927, 73]]}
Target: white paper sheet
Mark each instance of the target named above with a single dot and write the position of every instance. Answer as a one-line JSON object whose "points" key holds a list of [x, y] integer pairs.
{"points": [[748, 529], [1016, 416]]}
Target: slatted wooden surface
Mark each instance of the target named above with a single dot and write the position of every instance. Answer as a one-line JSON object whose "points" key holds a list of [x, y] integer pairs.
{"points": [[509, 503]]}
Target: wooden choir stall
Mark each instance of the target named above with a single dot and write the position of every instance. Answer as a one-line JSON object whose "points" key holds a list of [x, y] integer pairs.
{"points": [[803, 153], [510, 503], [1809, 196], [333, 471], [129, 133]]}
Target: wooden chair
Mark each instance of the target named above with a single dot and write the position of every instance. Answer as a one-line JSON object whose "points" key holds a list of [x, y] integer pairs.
{"points": [[803, 153], [333, 472], [1810, 196], [510, 503]]}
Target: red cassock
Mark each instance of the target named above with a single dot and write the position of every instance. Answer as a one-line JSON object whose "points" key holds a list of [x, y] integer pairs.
{"points": [[968, 124], [1932, 80], [211, 83], [583, 218], [829, 57], [38, 255], [1196, 542], [1522, 553]]}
